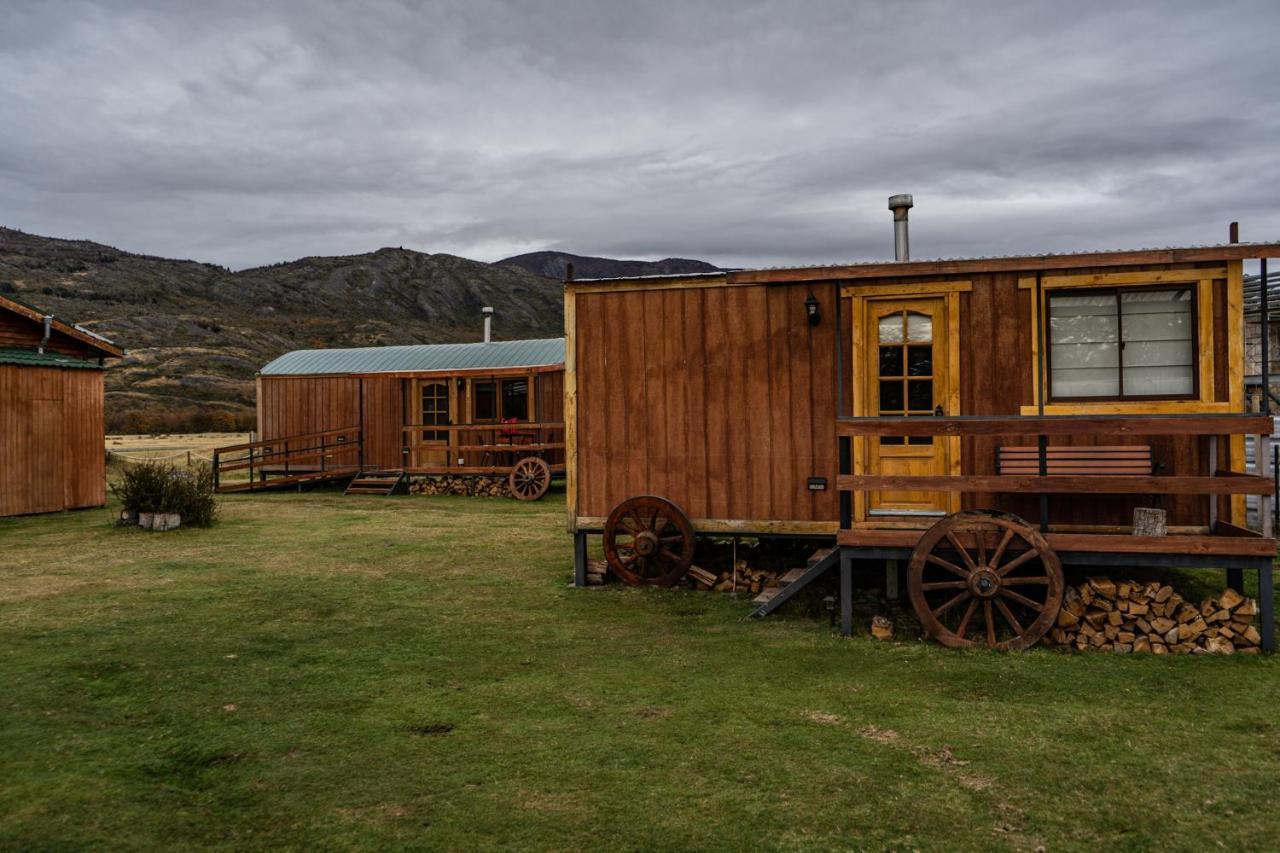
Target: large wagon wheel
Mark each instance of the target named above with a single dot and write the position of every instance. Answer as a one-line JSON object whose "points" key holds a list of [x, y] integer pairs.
{"points": [[988, 561], [530, 478], [648, 541]]}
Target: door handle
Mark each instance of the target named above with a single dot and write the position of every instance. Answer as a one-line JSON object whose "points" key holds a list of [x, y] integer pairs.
{"points": [[937, 412]]}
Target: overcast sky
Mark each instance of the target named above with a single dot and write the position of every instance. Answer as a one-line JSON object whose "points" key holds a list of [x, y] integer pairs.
{"points": [[743, 133]]}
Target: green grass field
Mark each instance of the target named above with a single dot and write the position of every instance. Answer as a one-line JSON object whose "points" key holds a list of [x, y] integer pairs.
{"points": [[329, 672]]}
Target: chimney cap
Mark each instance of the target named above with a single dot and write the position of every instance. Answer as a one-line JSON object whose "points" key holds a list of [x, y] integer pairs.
{"points": [[900, 201], [488, 309]]}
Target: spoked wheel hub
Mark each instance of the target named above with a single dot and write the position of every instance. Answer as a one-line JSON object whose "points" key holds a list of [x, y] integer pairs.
{"points": [[985, 578]]}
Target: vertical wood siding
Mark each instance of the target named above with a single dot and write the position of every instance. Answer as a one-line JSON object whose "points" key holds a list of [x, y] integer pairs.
{"points": [[721, 399], [52, 451]]}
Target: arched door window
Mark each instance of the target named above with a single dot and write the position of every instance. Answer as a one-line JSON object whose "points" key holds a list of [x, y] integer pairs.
{"points": [[906, 369]]}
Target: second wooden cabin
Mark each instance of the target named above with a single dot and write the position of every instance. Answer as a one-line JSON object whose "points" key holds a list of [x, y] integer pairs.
{"points": [[466, 409]]}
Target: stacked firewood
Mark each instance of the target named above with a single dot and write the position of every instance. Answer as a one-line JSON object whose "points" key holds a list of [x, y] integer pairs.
{"points": [[749, 580], [1131, 616], [455, 484]]}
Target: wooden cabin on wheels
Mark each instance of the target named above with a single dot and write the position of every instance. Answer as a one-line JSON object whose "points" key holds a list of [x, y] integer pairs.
{"points": [[985, 420], [378, 416], [52, 441]]}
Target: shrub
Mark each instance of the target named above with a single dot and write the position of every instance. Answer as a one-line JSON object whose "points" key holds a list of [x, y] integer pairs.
{"points": [[160, 487]]}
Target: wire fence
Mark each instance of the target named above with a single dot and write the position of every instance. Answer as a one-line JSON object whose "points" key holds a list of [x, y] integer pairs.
{"points": [[142, 456]]}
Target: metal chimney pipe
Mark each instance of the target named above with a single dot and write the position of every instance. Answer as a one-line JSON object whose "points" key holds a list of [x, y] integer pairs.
{"points": [[487, 311], [900, 204]]}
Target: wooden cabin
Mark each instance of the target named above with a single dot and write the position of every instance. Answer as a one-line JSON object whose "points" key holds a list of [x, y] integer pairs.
{"points": [[426, 410], [869, 406], [52, 442]]}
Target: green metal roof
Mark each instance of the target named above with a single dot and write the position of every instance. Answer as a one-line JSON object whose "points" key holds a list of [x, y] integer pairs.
{"points": [[31, 358], [479, 356]]}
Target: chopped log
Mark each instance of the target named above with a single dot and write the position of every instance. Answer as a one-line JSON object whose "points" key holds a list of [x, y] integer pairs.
{"points": [[702, 576], [1067, 619], [1163, 594], [1219, 616], [1144, 626], [1230, 598], [1251, 636], [1171, 636], [1208, 607], [881, 627], [1219, 646], [1138, 609], [1162, 624], [1125, 637], [1122, 648], [1115, 617], [1159, 649], [1142, 644], [1103, 586], [1111, 632], [1248, 608]]}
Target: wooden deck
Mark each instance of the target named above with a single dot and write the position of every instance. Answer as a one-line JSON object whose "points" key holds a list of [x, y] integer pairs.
{"points": [[1226, 542]]}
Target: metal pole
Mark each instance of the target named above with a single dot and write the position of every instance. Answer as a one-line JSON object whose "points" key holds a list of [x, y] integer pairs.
{"points": [[1266, 343], [846, 592]]}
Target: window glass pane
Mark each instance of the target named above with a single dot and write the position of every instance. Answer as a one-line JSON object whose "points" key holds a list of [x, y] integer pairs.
{"points": [[891, 439], [919, 328], [920, 395], [920, 361], [890, 361], [485, 401], [920, 439], [891, 396], [515, 399], [1159, 352], [1085, 382], [891, 329], [1162, 381], [1084, 351]]}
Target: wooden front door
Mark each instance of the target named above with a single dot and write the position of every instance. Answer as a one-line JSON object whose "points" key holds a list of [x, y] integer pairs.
{"points": [[436, 406], [905, 365]]}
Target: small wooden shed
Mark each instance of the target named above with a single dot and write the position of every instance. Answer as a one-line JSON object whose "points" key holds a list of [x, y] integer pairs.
{"points": [[864, 405], [420, 410], [52, 442]]}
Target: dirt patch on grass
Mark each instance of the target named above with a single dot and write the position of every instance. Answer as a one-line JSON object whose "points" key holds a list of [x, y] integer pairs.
{"points": [[823, 718], [431, 729]]}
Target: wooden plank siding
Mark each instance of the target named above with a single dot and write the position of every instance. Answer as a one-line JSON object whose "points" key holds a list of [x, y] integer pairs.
{"points": [[52, 453], [718, 394], [719, 399], [381, 407]]}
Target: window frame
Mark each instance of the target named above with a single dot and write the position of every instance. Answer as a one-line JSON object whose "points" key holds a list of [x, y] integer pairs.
{"points": [[475, 401], [1155, 287]]}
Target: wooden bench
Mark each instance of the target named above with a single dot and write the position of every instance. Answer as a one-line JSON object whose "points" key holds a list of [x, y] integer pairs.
{"points": [[1111, 461]]}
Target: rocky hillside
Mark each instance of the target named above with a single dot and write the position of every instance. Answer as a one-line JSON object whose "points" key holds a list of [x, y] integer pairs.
{"points": [[553, 264], [197, 333]]}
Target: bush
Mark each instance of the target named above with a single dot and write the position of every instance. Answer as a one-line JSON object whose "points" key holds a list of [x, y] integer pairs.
{"points": [[160, 487]]}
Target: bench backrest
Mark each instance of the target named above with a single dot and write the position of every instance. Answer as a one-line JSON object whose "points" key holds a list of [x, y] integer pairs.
{"points": [[1112, 461]]}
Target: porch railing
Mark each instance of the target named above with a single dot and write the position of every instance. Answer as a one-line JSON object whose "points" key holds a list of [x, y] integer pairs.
{"points": [[480, 448], [1213, 483]]}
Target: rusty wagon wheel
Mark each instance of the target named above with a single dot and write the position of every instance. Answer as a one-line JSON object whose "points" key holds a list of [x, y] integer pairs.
{"points": [[648, 541], [530, 478], [988, 561]]}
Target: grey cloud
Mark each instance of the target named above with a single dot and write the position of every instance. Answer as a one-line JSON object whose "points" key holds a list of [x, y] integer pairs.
{"points": [[741, 132]]}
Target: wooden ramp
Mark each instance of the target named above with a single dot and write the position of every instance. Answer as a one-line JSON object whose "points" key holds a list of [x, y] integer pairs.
{"points": [[378, 483], [292, 461]]}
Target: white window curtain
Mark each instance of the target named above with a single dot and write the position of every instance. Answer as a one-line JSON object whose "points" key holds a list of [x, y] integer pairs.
{"points": [[1131, 343]]}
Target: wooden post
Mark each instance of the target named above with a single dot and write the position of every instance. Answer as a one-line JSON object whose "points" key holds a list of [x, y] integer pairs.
{"points": [[846, 593], [579, 559], [1213, 468], [891, 591], [1266, 607], [1262, 455]]}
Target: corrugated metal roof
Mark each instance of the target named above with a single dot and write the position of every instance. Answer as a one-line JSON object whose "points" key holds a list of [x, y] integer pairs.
{"points": [[478, 356], [31, 358], [871, 263]]}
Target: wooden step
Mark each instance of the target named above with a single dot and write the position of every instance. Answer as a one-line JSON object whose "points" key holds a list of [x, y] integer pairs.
{"points": [[766, 595], [818, 556], [792, 576]]}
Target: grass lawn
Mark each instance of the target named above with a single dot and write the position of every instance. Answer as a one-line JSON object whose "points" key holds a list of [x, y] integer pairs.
{"points": [[321, 671]]}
